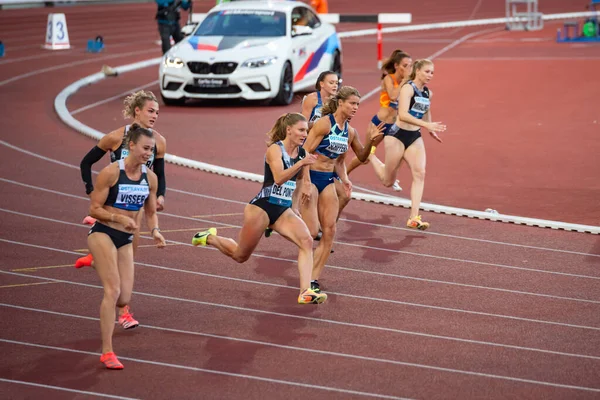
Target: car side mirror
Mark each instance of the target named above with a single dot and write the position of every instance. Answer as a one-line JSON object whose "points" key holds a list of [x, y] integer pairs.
{"points": [[301, 30]]}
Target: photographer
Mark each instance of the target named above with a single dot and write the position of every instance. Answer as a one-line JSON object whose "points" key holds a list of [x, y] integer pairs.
{"points": [[168, 21]]}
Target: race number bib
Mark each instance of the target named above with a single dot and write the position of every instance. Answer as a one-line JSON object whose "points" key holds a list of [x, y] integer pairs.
{"points": [[420, 107], [282, 195], [338, 144]]}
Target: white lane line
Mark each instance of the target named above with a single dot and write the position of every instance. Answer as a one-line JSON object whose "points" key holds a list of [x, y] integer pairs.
{"points": [[303, 317], [64, 389], [218, 223], [73, 64], [360, 271], [416, 254], [4, 143], [223, 373], [288, 347]]}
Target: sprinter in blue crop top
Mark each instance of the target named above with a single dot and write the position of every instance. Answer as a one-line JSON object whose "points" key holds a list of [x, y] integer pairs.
{"points": [[272, 206], [122, 190], [404, 141], [330, 138]]}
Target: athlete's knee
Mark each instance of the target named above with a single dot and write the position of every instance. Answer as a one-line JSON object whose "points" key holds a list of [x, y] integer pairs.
{"points": [[329, 230], [418, 174], [240, 257], [112, 292], [305, 242]]}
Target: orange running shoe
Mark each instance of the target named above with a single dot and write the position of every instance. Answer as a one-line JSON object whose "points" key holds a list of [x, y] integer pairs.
{"points": [[89, 220], [111, 361], [309, 296], [416, 223], [126, 319], [84, 261]]}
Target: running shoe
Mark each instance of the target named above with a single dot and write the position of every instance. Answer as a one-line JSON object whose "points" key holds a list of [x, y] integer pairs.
{"points": [[311, 297], [199, 238], [319, 235], [314, 286], [89, 220], [416, 223], [373, 149], [126, 319], [111, 361], [84, 261], [268, 232], [396, 186]]}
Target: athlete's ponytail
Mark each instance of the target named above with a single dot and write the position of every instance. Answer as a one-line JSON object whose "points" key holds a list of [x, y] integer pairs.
{"points": [[279, 130], [417, 65], [342, 94], [389, 65], [135, 132]]}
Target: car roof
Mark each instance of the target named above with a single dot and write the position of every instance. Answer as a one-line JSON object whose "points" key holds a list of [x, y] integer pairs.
{"points": [[275, 5]]}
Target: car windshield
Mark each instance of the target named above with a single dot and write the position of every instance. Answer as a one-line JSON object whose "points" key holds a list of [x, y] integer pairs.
{"points": [[262, 23]]}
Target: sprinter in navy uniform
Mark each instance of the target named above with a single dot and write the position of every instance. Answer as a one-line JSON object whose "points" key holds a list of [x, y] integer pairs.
{"points": [[272, 206], [122, 190], [404, 141], [142, 108], [330, 138]]}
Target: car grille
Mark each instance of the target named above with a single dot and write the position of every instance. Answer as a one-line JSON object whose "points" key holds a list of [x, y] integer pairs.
{"points": [[218, 68], [232, 89]]}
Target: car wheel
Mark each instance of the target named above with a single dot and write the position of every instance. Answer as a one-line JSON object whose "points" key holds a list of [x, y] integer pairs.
{"points": [[336, 63], [286, 86], [173, 102]]}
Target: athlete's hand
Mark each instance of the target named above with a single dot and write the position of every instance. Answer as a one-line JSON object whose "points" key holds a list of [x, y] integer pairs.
{"points": [[435, 136], [310, 159], [305, 195], [160, 203], [435, 127], [347, 188], [375, 133], [158, 239], [126, 221]]}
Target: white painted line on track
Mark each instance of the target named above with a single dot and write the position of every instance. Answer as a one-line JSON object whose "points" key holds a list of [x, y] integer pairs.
{"points": [[417, 254], [303, 317], [222, 373], [64, 389], [285, 347]]}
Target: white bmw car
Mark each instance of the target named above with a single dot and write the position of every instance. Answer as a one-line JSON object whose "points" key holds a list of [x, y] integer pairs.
{"points": [[255, 50]]}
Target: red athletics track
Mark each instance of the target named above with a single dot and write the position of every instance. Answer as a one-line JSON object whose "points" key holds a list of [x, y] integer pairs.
{"points": [[471, 309]]}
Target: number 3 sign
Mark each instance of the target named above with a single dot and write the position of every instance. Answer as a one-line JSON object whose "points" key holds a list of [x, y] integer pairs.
{"points": [[57, 36]]}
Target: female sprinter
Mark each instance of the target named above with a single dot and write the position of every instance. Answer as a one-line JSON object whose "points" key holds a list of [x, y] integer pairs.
{"points": [[329, 138], [122, 189], [142, 107], [327, 85], [272, 207], [404, 141], [395, 69]]}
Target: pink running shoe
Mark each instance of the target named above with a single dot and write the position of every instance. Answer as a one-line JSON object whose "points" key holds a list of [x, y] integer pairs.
{"points": [[126, 320]]}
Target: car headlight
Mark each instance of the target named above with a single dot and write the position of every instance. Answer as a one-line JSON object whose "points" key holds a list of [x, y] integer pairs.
{"points": [[174, 62], [259, 62]]}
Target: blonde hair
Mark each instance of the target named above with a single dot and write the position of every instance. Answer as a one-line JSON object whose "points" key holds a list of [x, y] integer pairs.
{"points": [[344, 93], [137, 100], [279, 130], [417, 65]]}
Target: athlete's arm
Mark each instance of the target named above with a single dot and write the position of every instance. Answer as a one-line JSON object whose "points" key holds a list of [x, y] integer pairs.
{"points": [[150, 210], [374, 135], [281, 175], [318, 131], [427, 118], [107, 177], [388, 85], [106, 143], [308, 103], [159, 169], [406, 93]]}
